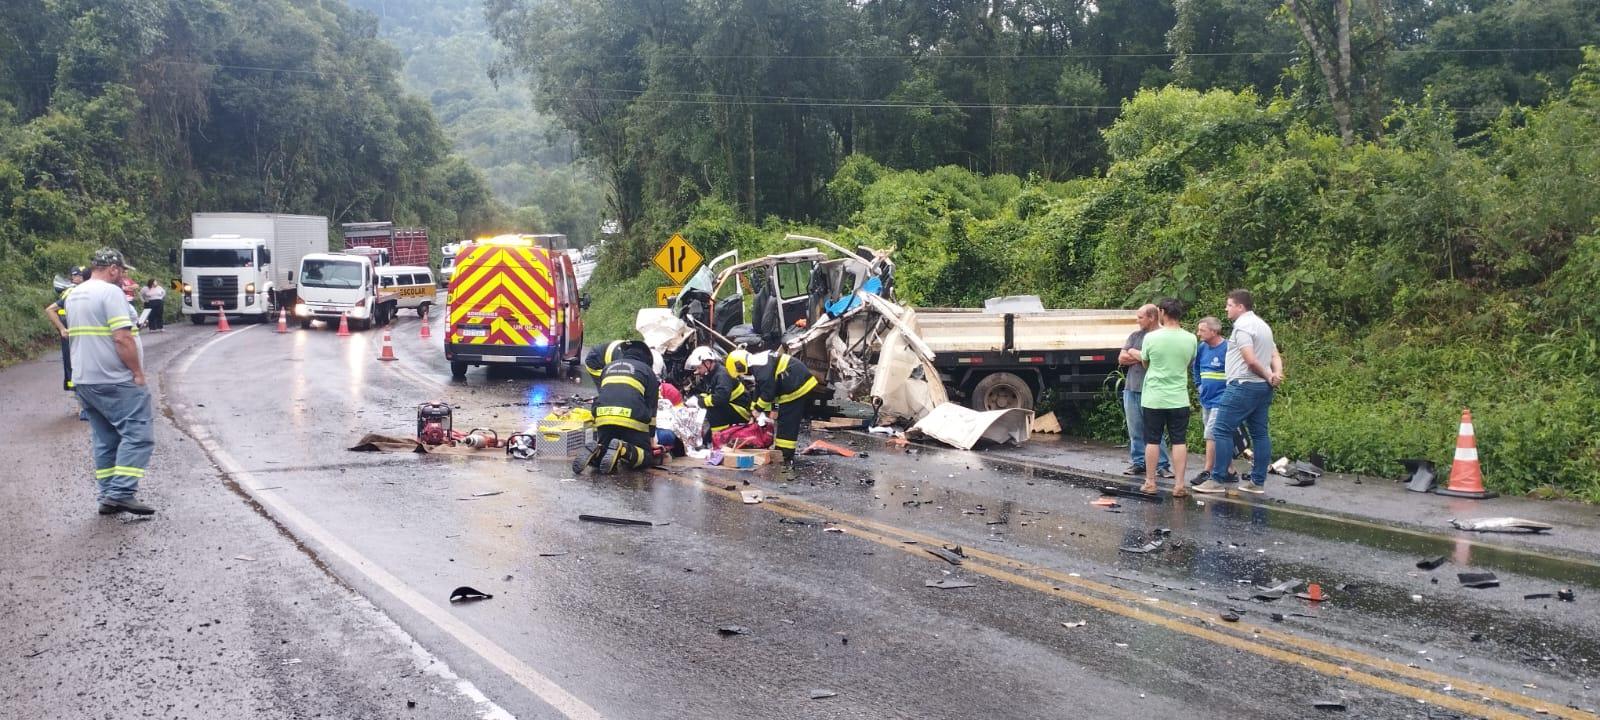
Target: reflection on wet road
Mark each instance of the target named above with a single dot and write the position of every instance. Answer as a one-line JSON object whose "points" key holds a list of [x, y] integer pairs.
{"points": [[830, 577]]}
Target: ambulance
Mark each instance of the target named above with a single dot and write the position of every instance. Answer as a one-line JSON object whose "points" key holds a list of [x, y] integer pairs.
{"points": [[513, 300]]}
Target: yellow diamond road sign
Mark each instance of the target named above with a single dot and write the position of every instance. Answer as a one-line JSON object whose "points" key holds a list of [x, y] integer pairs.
{"points": [[665, 294], [678, 259]]}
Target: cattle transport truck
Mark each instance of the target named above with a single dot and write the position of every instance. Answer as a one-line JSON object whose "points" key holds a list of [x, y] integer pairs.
{"points": [[243, 264]]}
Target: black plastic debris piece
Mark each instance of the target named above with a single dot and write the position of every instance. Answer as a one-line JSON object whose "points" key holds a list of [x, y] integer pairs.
{"points": [[1430, 563], [553, 553], [614, 520], [1478, 580], [1129, 491], [1538, 596], [732, 630], [1230, 616], [945, 555], [799, 520], [1144, 549], [1567, 595], [1334, 705], [1420, 474], [823, 694], [948, 584], [1276, 617], [468, 594]]}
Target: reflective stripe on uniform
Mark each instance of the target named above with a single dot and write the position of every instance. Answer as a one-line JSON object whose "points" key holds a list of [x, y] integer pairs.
{"points": [[741, 411], [123, 470], [89, 331], [104, 473], [763, 405], [621, 422], [118, 321], [738, 391], [592, 371], [783, 444], [1213, 376], [623, 380], [806, 387]]}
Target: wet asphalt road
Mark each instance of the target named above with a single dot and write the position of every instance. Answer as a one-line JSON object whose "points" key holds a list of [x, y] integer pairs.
{"points": [[827, 578]]}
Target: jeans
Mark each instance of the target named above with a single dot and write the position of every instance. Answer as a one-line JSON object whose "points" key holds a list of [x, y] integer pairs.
{"points": [[1247, 404], [122, 433], [1135, 415]]}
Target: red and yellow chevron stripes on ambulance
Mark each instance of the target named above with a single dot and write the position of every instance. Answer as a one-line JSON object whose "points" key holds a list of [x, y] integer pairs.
{"points": [[500, 294]]}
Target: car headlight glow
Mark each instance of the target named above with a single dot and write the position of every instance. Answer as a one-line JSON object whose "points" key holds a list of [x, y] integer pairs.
{"points": [[250, 289], [300, 310]]}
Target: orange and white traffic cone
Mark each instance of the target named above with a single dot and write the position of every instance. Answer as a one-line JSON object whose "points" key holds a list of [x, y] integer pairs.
{"points": [[344, 324], [1466, 476], [424, 333], [283, 321], [222, 320], [1312, 593], [388, 349]]}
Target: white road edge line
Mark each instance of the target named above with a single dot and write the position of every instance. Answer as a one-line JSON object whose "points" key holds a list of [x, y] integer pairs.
{"points": [[546, 689]]}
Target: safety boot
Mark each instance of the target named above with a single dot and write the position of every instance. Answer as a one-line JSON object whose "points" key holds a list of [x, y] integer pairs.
{"points": [[589, 456], [612, 456]]}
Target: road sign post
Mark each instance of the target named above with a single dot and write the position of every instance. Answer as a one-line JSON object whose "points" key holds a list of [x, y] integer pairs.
{"points": [[678, 259]]}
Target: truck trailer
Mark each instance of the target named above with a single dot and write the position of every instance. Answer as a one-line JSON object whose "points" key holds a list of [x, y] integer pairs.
{"points": [[244, 263], [396, 246]]}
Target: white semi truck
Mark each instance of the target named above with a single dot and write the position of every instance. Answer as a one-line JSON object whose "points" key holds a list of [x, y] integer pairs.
{"points": [[244, 264]]}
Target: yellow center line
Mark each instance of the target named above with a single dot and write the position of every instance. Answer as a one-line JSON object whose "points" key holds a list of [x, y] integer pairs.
{"points": [[994, 566]]}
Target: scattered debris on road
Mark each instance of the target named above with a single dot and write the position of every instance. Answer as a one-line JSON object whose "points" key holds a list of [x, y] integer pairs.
{"points": [[1502, 525], [732, 630], [245, 558], [1567, 595], [823, 447], [948, 584], [467, 593], [1313, 593], [1420, 474], [945, 554], [1129, 491], [1230, 615], [800, 520], [1077, 624], [1334, 705], [1431, 563], [823, 694], [614, 520], [1145, 549], [752, 497], [1478, 580], [553, 553]]}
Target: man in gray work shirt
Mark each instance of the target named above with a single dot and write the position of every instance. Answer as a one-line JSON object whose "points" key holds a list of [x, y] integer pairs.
{"points": [[1254, 371], [1132, 361], [108, 376]]}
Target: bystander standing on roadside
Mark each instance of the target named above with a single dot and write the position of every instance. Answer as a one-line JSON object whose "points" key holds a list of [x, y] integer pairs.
{"points": [[1168, 353], [108, 374], [1210, 378], [1254, 371], [56, 313], [155, 300], [1132, 363]]}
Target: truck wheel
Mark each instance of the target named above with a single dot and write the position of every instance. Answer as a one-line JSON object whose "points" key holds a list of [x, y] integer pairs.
{"points": [[305, 323], [424, 309], [458, 370], [197, 319], [1001, 391]]}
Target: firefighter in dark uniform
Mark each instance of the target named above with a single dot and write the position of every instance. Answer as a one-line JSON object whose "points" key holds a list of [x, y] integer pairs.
{"points": [[598, 358], [624, 412], [784, 381], [725, 399], [56, 312]]}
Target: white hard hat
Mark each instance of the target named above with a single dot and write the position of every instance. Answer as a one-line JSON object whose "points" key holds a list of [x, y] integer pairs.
{"points": [[699, 355]]}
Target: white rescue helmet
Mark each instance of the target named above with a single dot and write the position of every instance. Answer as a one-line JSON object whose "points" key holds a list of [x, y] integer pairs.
{"points": [[699, 355]]}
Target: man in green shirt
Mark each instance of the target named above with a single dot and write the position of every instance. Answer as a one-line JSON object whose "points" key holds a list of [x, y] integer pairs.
{"points": [[1168, 354]]}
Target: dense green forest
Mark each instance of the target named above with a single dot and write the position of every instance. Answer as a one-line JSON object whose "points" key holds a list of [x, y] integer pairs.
{"points": [[1409, 187], [530, 160], [118, 118]]}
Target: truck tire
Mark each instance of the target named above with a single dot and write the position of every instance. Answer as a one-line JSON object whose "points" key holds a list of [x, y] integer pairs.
{"points": [[424, 309], [305, 323], [1001, 391], [458, 370], [197, 319]]}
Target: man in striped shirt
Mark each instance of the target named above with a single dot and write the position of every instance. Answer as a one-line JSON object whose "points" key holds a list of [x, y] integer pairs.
{"points": [[108, 376]]}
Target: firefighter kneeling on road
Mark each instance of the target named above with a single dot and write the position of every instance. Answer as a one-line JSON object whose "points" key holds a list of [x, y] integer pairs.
{"points": [[598, 358], [624, 413], [725, 399], [783, 380]]}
